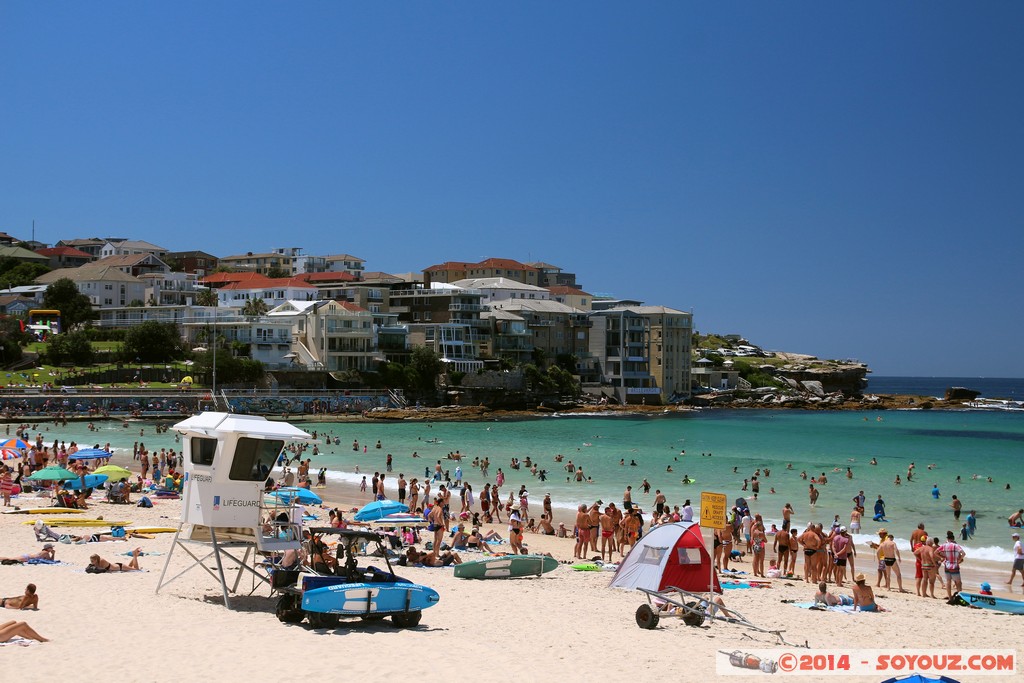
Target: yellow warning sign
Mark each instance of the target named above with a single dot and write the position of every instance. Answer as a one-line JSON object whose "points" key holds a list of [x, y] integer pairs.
{"points": [[712, 510]]}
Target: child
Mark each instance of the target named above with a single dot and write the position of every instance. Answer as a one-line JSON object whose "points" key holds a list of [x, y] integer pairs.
{"points": [[986, 588]]}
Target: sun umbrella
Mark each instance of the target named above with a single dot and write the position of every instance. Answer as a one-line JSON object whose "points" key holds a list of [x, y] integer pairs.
{"points": [[186, 380], [90, 454], [52, 473], [113, 472], [304, 496], [14, 443], [9, 454], [918, 678], [379, 508]]}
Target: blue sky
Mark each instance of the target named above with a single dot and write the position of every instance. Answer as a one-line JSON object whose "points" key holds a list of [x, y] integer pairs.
{"points": [[842, 179]]}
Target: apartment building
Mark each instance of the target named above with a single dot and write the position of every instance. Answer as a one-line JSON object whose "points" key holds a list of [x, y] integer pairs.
{"points": [[452, 271], [106, 286]]}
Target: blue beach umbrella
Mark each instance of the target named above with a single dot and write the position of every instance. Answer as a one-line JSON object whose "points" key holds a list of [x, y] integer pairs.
{"points": [[379, 508], [90, 454], [304, 496], [918, 678]]}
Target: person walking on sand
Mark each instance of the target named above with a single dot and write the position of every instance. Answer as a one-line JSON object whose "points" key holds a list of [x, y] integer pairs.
{"points": [[1018, 559], [890, 554]]}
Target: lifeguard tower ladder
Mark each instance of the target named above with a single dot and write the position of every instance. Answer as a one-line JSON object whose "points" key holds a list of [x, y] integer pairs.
{"points": [[226, 461]]}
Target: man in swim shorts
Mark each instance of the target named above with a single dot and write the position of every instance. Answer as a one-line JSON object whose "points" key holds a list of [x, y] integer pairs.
{"points": [[830, 599], [607, 531], [890, 555], [1018, 559], [582, 532]]}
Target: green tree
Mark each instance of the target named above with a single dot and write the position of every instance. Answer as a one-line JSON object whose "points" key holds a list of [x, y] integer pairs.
{"points": [[538, 356], [70, 347], [15, 273], [152, 342], [255, 307], [74, 307], [276, 272], [206, 297], [11, 340], [426, 364]]}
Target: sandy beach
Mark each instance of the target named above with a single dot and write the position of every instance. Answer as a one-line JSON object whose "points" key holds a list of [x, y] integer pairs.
{"points": [[566, 625]]}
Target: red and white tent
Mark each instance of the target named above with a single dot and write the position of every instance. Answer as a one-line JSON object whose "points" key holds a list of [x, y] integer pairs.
{"points": [[668, 555]]}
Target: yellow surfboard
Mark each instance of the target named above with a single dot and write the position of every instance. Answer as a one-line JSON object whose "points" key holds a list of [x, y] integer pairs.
{"points": [[152, 530], [71, 521], [44, 511]]}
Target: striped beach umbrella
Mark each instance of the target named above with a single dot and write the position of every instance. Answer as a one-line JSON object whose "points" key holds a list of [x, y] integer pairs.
{"points": [[14, 443], [9, 454]]}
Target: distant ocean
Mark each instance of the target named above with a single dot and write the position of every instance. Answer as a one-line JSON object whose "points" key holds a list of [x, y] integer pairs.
{"points": [[990, 387]]}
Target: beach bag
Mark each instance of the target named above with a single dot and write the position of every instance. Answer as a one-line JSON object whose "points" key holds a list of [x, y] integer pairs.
{"points": [[117, 532], [145, 502], [64, 538]]}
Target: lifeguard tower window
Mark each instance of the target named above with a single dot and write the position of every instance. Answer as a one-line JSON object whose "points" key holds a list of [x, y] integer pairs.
{"points": [[254, 458], [203, 451]]}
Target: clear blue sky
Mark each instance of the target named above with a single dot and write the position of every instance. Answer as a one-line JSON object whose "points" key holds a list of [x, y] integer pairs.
{"points": [[842, 179]]}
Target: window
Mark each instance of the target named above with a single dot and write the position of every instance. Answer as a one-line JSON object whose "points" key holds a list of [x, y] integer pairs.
{"points": [[251, 456], [203, 450]]}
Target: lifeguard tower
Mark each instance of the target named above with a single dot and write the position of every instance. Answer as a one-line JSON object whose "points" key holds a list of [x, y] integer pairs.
{"points": [[227, 459]]}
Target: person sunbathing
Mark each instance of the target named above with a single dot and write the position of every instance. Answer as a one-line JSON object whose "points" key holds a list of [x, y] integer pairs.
{"points": [[432, 559], [27, 601], [863, 596], [46, 553], [831, 599], [97, 565], [19, 629]]}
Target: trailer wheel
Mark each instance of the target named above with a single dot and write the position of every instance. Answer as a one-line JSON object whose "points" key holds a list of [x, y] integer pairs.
{"points": [[406, 620], [322, 620], [694, 617], [646, 617], [289, 609], [372, 617]]}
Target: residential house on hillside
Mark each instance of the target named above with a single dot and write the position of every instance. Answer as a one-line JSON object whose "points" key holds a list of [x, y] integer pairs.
{"points": [[65, 257], [90, 245], [258, 263], [508, 337], [445, 318], [332, 335], [273, 292], [553, 276], [500, 289], [21, 254], [14, 305], [555, 329], [6, 240], [263, 339], [170, 289], [571, 296], [643, 352], [346, 263], [120, 247], [134, 264], [106, 286], [196, 262], [452, 271]]}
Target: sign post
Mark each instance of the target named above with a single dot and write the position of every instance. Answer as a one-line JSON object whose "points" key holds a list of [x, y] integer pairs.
{"points": [[712, 516]]}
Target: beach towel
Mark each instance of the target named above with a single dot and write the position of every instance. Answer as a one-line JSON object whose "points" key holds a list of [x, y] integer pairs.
{"points": [[18, 640], [819, 607]]}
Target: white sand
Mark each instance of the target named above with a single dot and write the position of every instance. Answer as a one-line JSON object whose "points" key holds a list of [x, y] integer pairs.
{"points": [[565, 626]]}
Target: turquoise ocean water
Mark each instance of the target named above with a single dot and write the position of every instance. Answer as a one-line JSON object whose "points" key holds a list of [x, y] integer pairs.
{"points": [[964, 443]]}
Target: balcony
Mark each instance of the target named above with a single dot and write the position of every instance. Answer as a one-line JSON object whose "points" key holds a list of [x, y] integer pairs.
{"points": [[453, 308], [540, 323]]}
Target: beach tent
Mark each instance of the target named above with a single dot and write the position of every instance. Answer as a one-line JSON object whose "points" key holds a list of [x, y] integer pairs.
{"points": [[668, 555], [918, 678]]}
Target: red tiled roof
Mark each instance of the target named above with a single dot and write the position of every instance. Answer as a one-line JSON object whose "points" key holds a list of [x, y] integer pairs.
{"points": [[327, 277], [216, 278], [565, 289], [448, 265], [269, 283], [63, 251], [349, 306], [503, 263]]}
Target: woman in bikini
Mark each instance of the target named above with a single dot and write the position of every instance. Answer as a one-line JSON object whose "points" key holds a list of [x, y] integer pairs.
{"points": [[101, 566], [19, 629]]}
